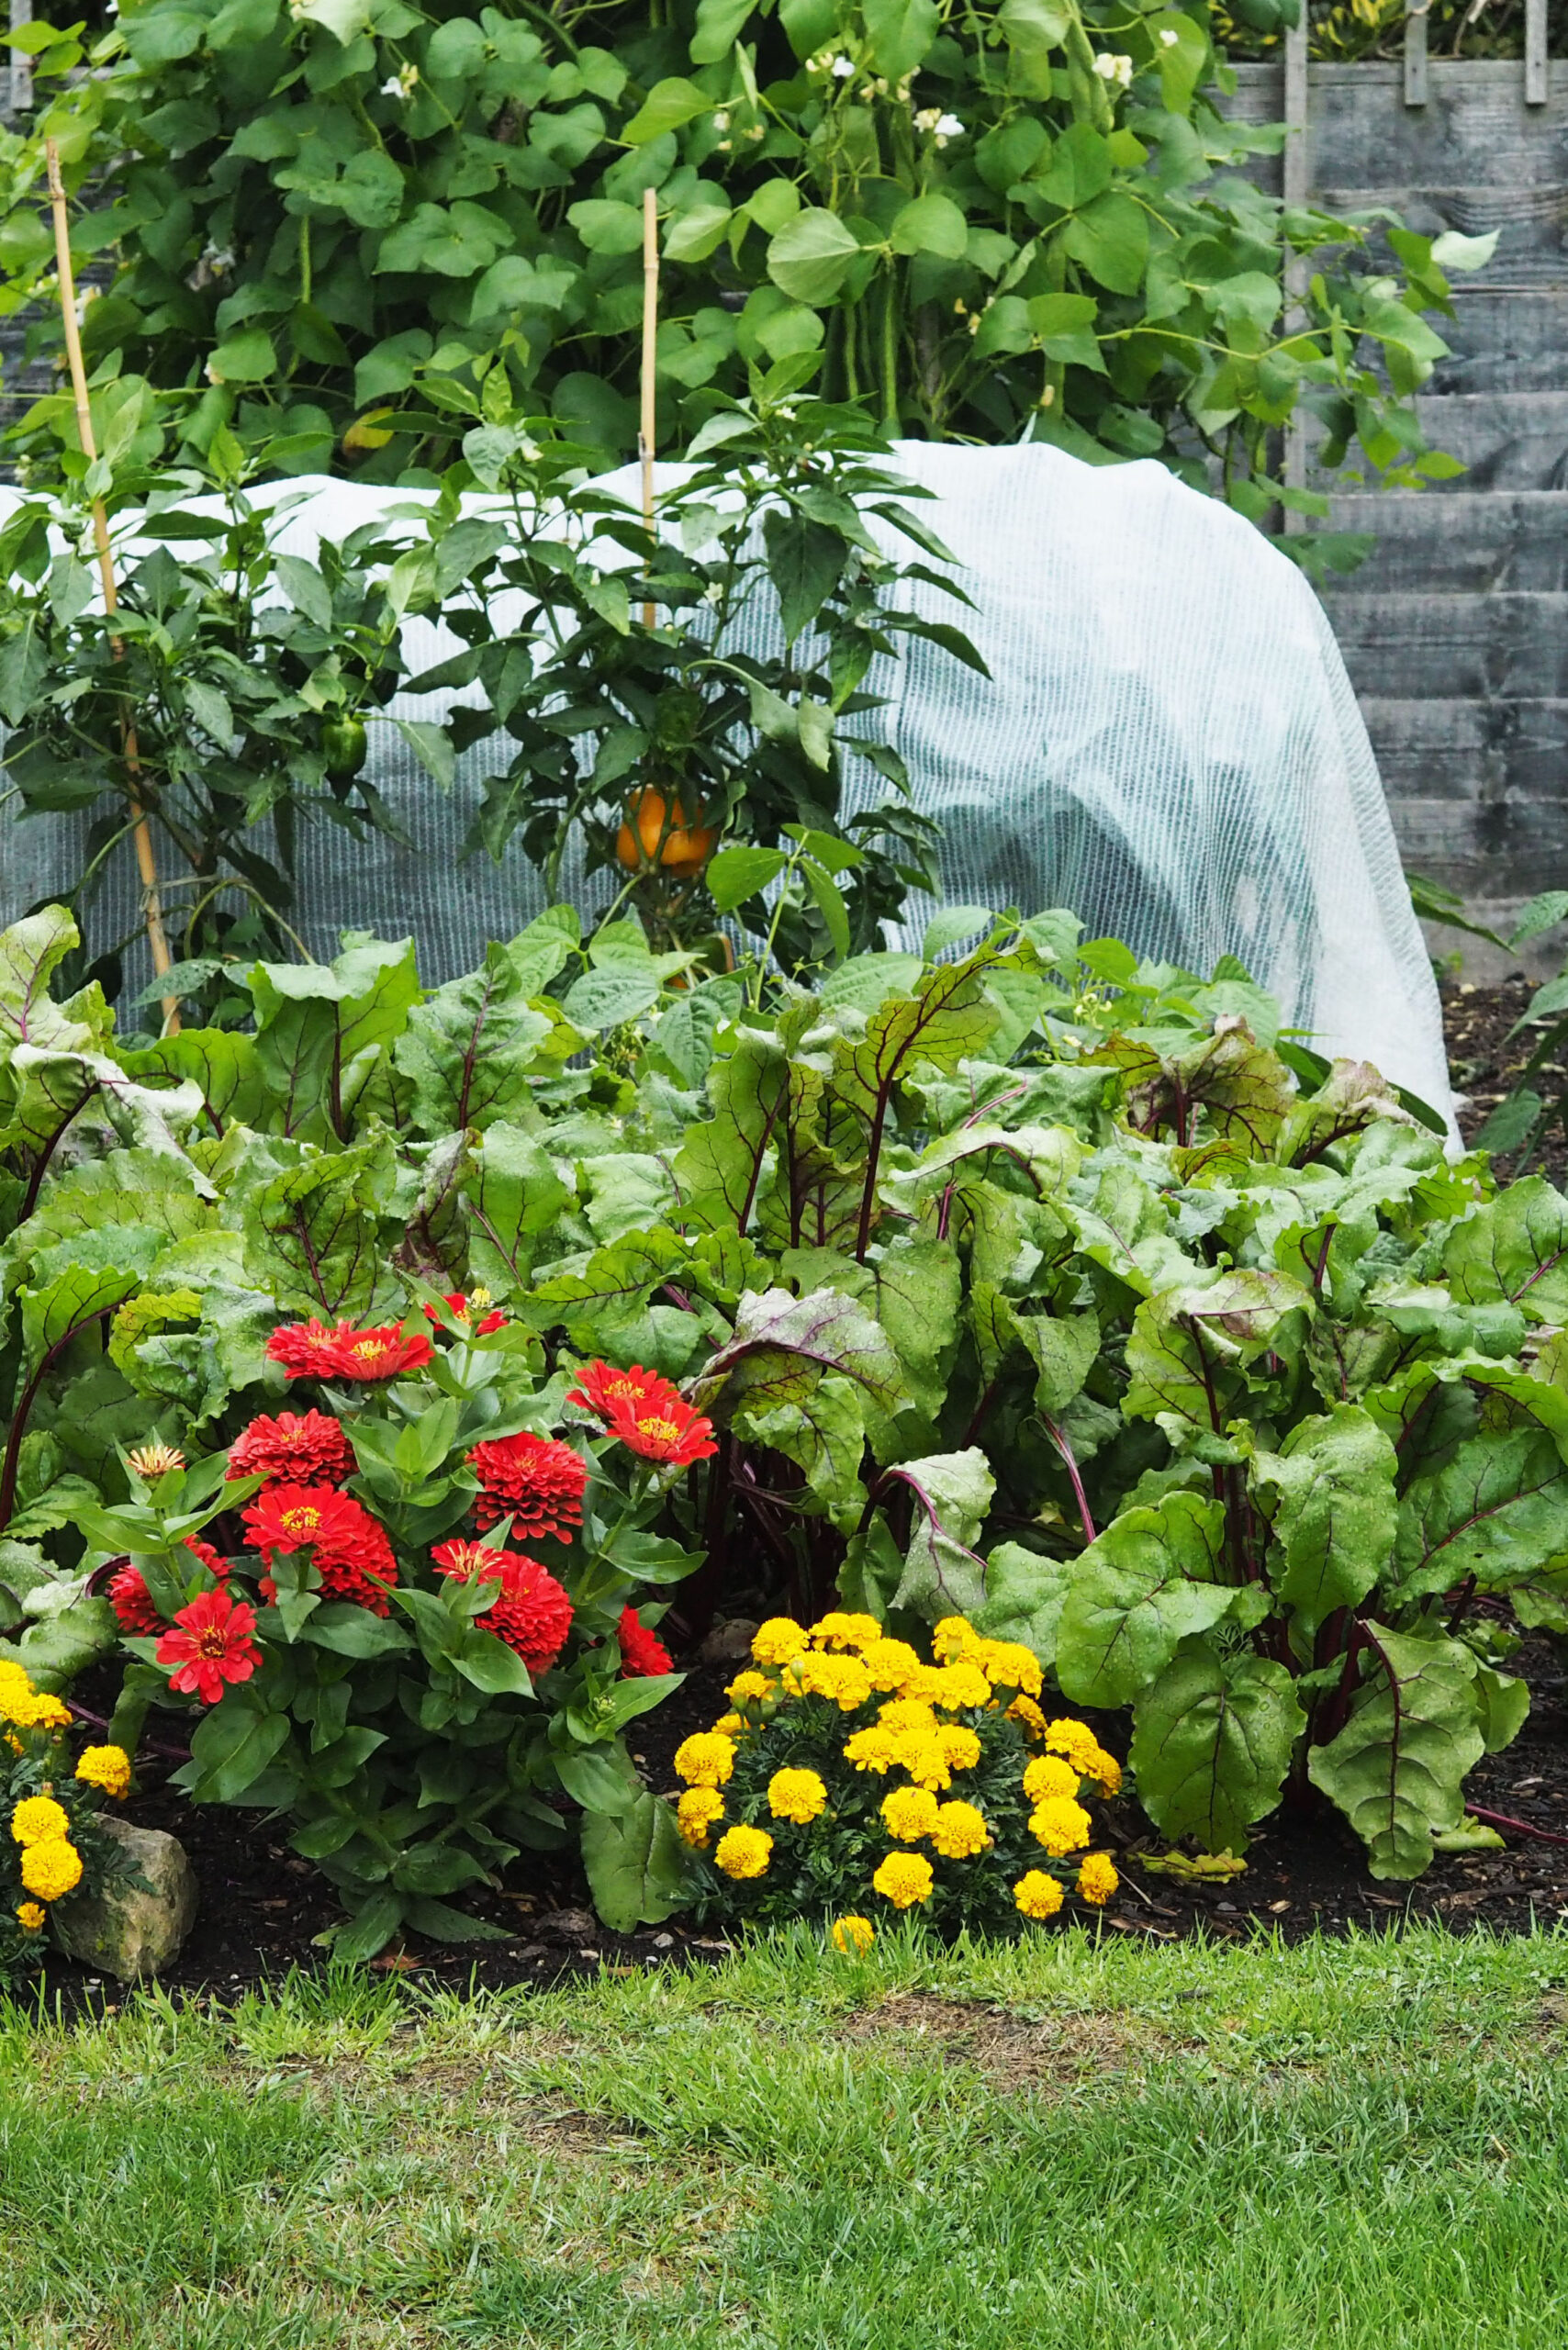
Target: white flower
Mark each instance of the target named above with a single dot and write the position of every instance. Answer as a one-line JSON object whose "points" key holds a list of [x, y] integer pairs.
{"points": [[1167, 37], [391, 87], [400, 86], [841, 69], [948, 126], [1114, 68], [928, 118], [722, 118]]}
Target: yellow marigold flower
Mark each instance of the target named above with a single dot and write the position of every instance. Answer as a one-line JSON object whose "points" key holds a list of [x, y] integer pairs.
{"points": [[749, 1688], [909, 1813], [30, 1917], [39, 1818], [844, 1679], [704, 1760], [778, 1641], [1097, 1878], [799, 1795], [107, 1767], [903, 1879], [953, 1638], [1076, 1741], [892, 1665], [908, 1716], [744, 1852], [852, 1937], [959, 1832], [31, 1708], [1049, 1775], [1010, 1665], [957, 1687], [1037, 1894], [1108, 1771], [960, 1748], [925, 1762], [873, 1749], [1060, 1825], [695, 1813], [52, 1868], [837, 1631], [1028, 1717], [728, 1726]]}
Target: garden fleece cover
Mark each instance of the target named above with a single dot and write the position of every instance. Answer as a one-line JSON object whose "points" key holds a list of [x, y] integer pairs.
{"points": [[1168, 744]]}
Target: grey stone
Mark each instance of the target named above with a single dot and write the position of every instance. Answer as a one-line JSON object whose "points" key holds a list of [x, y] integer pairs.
{"points": [[124, 1931], [728, 1643]]}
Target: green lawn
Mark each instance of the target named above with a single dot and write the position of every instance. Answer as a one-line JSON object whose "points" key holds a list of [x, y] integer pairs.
{"points": [[1060, 2143]]}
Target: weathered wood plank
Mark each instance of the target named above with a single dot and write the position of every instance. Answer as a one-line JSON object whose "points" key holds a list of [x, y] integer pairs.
{"points": [[1466, 543]]}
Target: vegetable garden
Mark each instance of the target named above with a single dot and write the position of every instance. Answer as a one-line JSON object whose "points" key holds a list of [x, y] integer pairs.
{"points": [[1065, 1425]]}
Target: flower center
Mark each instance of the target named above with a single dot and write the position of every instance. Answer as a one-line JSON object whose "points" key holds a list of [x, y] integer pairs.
{"points": [[213, 1644], [662, 1431], [302, 1522]]}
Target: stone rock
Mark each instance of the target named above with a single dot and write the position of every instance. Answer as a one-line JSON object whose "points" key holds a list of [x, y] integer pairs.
{"points": [[123, 1930], [728, 1643]]}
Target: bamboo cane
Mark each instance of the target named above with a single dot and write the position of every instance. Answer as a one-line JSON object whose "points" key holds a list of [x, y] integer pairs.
{"points": [[141, 832], [648, 424]]}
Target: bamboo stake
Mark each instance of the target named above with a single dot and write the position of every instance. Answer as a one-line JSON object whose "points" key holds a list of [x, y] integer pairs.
{"points": [[648, 424], [152, 900]]}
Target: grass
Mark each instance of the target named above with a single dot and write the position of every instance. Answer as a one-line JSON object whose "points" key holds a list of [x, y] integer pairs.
{"points": [[1062, 2141]]}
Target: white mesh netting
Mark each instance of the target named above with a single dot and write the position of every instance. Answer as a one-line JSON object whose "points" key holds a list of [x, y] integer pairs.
{"points": [[1168, 744]]}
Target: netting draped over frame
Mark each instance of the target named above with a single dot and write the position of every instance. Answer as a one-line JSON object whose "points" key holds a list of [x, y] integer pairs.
{"points": [[1168, 744]]}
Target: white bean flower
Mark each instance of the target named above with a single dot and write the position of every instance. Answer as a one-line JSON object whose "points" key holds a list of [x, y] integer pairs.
{"points": [[1167, 37], [1112, 67]]}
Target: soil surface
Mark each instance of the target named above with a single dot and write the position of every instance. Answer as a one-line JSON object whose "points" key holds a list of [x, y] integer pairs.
{"points": [[1484, 1061], [262, 1908]]}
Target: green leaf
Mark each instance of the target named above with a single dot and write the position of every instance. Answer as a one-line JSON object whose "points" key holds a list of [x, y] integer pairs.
{"points": [[230, 1747], [1190, 1347], [1024, 1595], [636, 1865], [668, 106], [1146, 1584], [1496, 1508], [952, 1491], [809, 257], [719, 26], [313, 1233], [600, 1778], [805, 562], [468, 1050], [348, 1630], [607, 227], [1336, 1512], [1212, 1741], [738, 873], [900, 33], [1110, 236], [783, 1345], [370, 1929], [932, 224], [1514, 1247], [1398, 1769], [513, 1194], [70, 1298]]}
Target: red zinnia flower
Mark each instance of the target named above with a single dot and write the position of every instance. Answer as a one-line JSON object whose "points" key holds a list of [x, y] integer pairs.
{"points": [[310, 1350], [668, 1430], [385, 1353], [605, 1389], [346, 1543], [533, 1612], [462, 1309], [211, 1644], [132, 1602], [535, 1480], [643, 1653], [308, 1448]]}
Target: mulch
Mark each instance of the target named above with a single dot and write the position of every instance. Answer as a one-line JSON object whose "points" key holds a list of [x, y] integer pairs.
{"points": [[262, 1906]]}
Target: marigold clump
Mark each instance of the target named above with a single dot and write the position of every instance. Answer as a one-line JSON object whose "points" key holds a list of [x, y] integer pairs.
{"points": [[909, 1813], [876, 1749], [1106, 1773], [696, 1812], [908, 1716], [778, 1641], [1075, 1740], [31, 1917], [799, 1795], [729, 1725], [925, 1762], [704, 1760], [904, 1879], [1037, 1894], [1060, 1825], [39, 1818], [957, 1688], [952, 1638], [959, 1832], [1097, 1878], [27, 1708], [1048, 1777], [749, 1688], [744, 1851], [1029, 1719], [837, 1631], [1008, 1664], [51, 1869], [852, 1937], [107, 1767]]}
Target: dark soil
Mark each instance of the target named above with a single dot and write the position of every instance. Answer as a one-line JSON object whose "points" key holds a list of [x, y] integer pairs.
{"points": [[1485, 1062], [261, 1908]]}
